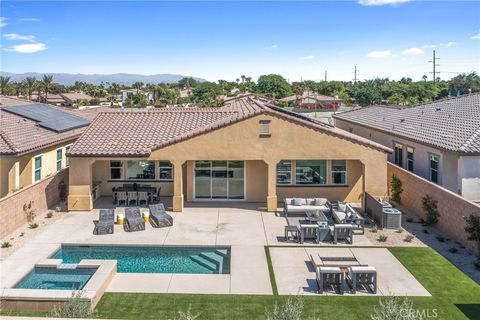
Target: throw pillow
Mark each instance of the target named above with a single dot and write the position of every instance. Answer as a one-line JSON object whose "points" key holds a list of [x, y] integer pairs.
{"points": [[342, 207], [320, 201], [297, 201]]}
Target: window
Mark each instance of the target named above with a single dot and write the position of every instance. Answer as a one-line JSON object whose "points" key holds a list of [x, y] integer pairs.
{"points": [[410, 159], [339, 171], [398, 155], [59, 159], [311, 172], [284, 172], [140, 170], [434, 168], [38, 168], [67, 160], [165, 170], [264, 127], [116, 170]]}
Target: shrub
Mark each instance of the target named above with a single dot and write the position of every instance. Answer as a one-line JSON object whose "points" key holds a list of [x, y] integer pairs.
{"points": [[374, 229], [29, 211], [49, 214], [409, 237], [392, 308], [441, 238], [58, 208], [425, 231], [382, 238], [396, 189], [6, 244], [187, 315], [452, 250], [472, 228], [477, 263], [75, 307], [400, 230], [410, 219], [62, 191], [292, 309], [21, 234], [33, 225], [429, 205]]}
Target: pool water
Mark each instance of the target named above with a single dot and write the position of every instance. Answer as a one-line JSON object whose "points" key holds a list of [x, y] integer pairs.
{"points": [[153, 259], [56, 279]]}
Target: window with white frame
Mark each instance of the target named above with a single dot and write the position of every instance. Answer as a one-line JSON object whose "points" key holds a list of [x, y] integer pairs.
{"points": [[339, 172], [116, 170], [284, 172], [59, 159], [37, 170], [434, 161], [264, 127], [140, 170], [410, 152], [165, 170]]}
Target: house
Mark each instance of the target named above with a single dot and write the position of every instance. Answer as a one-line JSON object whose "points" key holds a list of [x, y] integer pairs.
{"points": [[246, 150], [438, 141], [310, 101], [72, 98], [55, 99], [34, 139]]}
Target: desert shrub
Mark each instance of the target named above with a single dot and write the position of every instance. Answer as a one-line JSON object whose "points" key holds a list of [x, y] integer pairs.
{"points": [[441, 238], [187, 315], [410, 219], [29, 211], [430, 206], [409, 237], [425, 231], [396, 189], [33, 225], [62, 191], [21, 234], [374, 229], [75, 307], [394, 308], [452, 250], [6, 244], [382, 238], [399, 230], [49, 214], [472, 228], [292, 309]]}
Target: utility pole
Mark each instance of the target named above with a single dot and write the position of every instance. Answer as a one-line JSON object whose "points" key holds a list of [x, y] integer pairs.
{"points": [[434, 63], [325, 75], [355, 76]]}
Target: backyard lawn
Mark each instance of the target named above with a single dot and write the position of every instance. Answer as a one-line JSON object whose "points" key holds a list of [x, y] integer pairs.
{"points": [[454, 296]]}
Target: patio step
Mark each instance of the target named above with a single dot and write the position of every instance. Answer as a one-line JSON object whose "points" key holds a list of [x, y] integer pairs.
{"points": [[214, 258], [205, 263]]}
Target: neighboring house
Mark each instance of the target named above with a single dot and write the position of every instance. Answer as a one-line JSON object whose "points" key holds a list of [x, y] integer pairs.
{"points": [[439, 141], [54, 99], [310, 101], [72, 98], [32, 144], [244, 151]]}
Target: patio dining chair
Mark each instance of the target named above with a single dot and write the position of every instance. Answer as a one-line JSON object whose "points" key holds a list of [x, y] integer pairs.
{"points": [[132, 197], [133, 220], [156, 196], [121, 197], [142, 197]]}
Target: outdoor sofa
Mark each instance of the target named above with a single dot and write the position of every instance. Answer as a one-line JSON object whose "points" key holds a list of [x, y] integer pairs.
{"points": [[300, 205], [159, 218]]}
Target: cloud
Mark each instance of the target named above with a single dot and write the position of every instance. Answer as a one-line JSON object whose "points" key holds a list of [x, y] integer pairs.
{"points": [[28, 48], [475, 36], [450, 44], [14, 36], [440, 45], [306, 57], [413, 52], [273, 46], [381, 2], [28, 19], [3, 21], [379, 54]]}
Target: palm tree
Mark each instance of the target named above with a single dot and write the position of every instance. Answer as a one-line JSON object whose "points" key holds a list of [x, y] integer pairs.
{"points": [[138, 86], [3, 84], [19, 87], [30, 83], [112, 99], [46, 84], [424, 78]]}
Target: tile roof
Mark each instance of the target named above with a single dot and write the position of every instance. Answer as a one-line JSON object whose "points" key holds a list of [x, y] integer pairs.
{"points": [[74, 96], [138, 133], [19, 135], [451, 124]]}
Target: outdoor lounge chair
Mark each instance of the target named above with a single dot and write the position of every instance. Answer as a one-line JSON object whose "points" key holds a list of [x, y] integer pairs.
{"points": [[327, 276], [365, 276], [105, 222], [343, 232], [133, 220], [159, 218]]}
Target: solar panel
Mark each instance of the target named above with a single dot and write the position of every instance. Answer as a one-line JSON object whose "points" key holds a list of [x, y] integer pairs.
{"points": [[49, 117]]}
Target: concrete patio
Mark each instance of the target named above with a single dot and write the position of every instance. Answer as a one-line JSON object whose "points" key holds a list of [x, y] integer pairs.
{"points": [[246, 227]]}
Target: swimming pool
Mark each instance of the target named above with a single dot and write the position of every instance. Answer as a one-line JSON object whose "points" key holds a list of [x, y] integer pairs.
{"points": [[56, 279], [152, 259]]}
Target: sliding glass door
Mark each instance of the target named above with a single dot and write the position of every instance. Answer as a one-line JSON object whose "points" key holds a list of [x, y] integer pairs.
{"points": [[220, 179]]}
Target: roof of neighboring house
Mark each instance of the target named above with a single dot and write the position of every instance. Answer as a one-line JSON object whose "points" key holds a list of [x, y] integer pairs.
{"points": [[55, 98], [138, 133], [20, 135], [74, 96], [452, 124]]}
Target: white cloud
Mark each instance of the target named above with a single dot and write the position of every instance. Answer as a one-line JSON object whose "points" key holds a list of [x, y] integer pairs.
{"points": [[381, 2], [14, 36], [306, 57], [28, 47], [475, 37], [3, 21], [28, 19], [450, 44], [440, 45], [413, 52], [273, 46], [379, 54]]}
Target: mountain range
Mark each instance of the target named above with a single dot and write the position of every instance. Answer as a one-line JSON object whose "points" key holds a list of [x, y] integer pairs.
{"points": [[120, 78]]}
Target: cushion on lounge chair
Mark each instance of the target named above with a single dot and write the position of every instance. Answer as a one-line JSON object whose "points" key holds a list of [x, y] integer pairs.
{"points": [[329, 270], [339, 216], [298, 202], [320, 202], [362, 269]]}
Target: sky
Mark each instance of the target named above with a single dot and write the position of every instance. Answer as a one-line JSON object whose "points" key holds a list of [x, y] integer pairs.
{"points": [[223, 40]]}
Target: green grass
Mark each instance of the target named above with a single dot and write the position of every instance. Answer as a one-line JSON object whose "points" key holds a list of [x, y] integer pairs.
{"points": [[454, 296], [271, 273]]}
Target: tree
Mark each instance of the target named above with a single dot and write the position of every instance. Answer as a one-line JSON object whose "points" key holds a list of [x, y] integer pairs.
{"points": [[3, 84], [465, 83], [472, 228], [274, 86], [187, 83], [46, 84], [138, 86], [424, 77], [207, 94], [366, 95], [30, 83]]}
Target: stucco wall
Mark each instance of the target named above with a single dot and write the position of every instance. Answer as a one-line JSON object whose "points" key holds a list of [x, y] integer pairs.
{"points": [[452, 207], [469, 177]]}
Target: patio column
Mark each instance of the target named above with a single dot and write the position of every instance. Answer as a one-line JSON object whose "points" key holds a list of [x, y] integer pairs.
{"points": [[272, 202], [80, 182], [177, 186]]}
